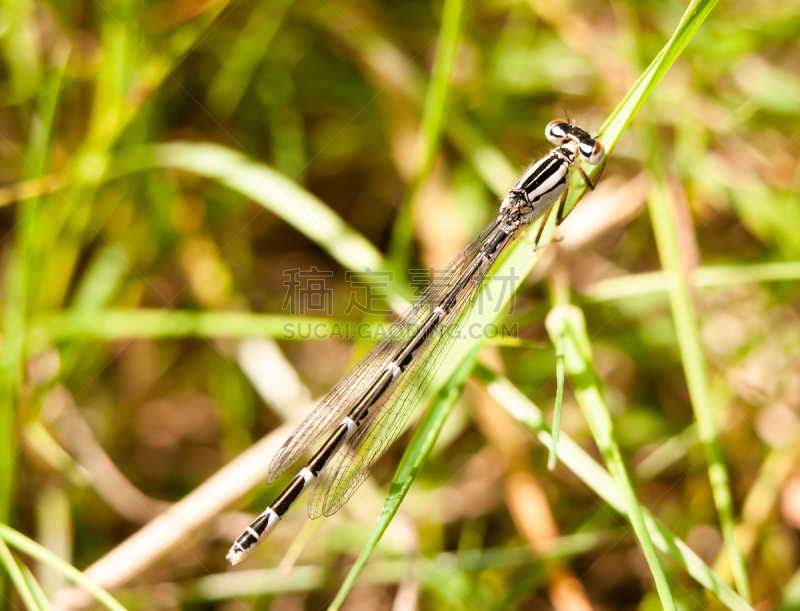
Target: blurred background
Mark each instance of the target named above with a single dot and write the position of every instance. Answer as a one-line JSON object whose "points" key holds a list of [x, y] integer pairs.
{"points": [[180, 180]]}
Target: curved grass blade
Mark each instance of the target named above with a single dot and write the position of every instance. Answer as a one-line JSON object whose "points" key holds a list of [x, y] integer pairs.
{"points": [[612, 129], [17, 578], [552, 459], [33, 549], [278, 194], [35, 588], [597, 479], [414, 457], [566, 324], [694, 366]]}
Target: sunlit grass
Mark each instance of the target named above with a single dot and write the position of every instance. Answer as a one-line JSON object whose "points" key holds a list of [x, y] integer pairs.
{"points": [[165, 164]]}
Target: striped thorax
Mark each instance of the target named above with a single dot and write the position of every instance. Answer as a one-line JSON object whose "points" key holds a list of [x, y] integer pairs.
{"points": [[545, 181]]}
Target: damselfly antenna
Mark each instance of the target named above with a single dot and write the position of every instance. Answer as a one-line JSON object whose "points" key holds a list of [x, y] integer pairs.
{"points": [[564, 108], [367, 410]]}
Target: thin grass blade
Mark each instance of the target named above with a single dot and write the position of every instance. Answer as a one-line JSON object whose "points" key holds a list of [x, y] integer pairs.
{"points": [[694, 366], [17, 578], [414, 457], [612, 129], [35, 588], [431, 126], [648, 284], [278, 194], [587, 469], [567, 323], [110, 324], [33, 549], [552, 459]]}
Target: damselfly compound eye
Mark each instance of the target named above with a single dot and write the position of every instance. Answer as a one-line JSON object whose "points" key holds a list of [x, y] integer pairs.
{"points": [[592, 151], [557, 131]]}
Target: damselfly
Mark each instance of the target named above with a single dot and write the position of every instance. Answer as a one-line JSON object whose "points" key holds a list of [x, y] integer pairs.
{"points": [[372, 403]]}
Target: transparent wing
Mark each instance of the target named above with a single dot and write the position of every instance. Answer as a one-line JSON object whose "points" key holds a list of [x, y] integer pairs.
{"points": [[358, 457], [338, 403]]}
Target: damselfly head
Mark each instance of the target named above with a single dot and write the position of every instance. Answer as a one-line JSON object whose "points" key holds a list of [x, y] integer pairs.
{"points": [[591, 151], [558, 132]]}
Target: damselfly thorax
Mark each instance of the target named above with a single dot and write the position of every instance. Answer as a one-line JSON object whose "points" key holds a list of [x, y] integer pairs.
{"points": [[547, 180]]}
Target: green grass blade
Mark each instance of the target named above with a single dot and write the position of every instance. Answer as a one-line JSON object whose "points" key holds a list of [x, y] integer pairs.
{"points": [[33, 549], [586, 468], [435, 109], [16, 296], [142, 323], [567, 322], [278, 194], [124, 323], [655, 283], [101, 280], [99, 283], [414, 457], [256, 582], [552, 459], [19, 45], [694, 366], [17, 578], [35, 588], [692, 19], [519, 259], [431, 126], [248, 50], [612, 129]]}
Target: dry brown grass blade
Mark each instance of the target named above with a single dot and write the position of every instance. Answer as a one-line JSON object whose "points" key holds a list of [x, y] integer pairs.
{"points": [[180, 523], [106, 479]]}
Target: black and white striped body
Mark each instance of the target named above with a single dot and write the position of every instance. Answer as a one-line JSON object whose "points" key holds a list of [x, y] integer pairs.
{"points": [[543, 182], [500, 237], [540, 186]]}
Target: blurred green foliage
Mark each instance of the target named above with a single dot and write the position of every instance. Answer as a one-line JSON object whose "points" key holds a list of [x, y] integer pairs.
{"points": [[165, 163]]}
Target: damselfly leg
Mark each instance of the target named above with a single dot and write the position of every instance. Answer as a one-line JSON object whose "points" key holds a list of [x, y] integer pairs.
{"points": [[588, 180], [559, 214]]}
